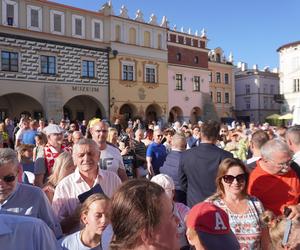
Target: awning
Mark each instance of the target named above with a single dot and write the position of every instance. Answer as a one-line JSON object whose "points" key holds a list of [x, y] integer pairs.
{"points": [[287, 116], [272, 117]]}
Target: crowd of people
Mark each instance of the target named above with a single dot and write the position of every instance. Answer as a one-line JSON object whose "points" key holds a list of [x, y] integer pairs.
{"points": [[100, 185]]}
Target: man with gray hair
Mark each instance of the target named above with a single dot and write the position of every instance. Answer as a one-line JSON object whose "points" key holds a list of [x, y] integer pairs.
{"points": [[88, 174], [273, 181], [293, 141], [171, 165], [22, 199]]}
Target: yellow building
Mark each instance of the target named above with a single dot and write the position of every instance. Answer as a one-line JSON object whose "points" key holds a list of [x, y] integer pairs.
{"points": [[222, 84], [138, 67]]}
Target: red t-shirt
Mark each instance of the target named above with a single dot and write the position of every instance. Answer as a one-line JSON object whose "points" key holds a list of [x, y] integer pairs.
{"points": [[274, 191]]}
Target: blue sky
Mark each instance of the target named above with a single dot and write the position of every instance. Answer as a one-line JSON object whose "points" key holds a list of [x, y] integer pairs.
{"points": [[252, 30]]}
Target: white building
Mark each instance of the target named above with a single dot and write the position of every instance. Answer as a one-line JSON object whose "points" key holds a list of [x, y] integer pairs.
{"points": [[289, 73], [254, 93]]}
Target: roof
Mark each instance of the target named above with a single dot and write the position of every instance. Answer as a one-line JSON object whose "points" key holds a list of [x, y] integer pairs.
{"points": [[288, 45]]}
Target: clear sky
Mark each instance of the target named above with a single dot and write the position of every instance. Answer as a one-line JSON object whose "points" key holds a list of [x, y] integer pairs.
{"points": [[252, 30]]}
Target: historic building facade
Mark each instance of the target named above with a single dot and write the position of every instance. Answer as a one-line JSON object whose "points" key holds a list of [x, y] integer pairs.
{"points": [[221, 85], [255, 91], [188, 90], [138, 66], [289, 74], [54, 61]]}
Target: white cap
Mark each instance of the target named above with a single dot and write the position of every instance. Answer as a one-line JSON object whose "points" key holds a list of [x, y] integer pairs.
{"points": [[53, 129], [166, 182]]}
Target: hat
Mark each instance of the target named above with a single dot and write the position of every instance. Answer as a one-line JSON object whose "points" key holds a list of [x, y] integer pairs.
{"points": [[53, 129], [212, 226], [166, 182]]}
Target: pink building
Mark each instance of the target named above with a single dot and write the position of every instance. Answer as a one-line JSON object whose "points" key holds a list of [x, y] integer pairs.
{"points": [[188, 76]]}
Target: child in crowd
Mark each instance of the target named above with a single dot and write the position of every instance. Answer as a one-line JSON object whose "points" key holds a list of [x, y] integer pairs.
{"points": [[94, 218], [25, 154]]}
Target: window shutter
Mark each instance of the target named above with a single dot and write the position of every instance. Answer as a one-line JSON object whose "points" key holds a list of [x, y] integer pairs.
{"points": [[34, 18], [78, 27], [57, 22], [97, 30]]}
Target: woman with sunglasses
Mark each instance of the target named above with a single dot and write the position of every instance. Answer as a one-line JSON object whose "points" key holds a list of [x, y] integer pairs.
{"points": [[243, 210]]}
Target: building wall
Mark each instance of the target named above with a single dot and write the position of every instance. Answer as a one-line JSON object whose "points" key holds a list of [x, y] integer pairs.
{"points": [[187, 99], [222, 109], [260, 94], [289, 73]]}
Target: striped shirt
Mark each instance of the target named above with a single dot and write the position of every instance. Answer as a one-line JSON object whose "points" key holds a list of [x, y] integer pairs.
{"points": [[65, 200]]}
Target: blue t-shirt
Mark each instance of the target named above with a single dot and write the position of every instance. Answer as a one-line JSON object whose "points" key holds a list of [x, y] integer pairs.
{"points": [[28, 137], [158, 153]]}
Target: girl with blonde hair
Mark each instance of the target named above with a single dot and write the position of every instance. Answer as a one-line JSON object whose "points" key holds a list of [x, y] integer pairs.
{"points": [[94, 219], [63, 166]]}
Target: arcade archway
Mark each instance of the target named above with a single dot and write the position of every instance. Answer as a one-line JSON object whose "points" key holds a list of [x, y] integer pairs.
{"points": [[175, 114], [15, 104], [83, 107], [153, 113]]}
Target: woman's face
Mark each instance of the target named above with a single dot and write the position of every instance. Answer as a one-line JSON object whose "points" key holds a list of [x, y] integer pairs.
{"points": [[234, 185], [96, 218], [165, 235]]}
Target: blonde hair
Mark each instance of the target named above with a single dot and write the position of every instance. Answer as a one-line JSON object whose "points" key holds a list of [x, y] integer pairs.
{"points": [[59, 168], [277, 226], [84, 209], [110, 134]]}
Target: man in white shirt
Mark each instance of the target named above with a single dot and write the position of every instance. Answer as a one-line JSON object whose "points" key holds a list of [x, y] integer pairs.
{"points": [[110, 157], [23, 233], [86, 157]]}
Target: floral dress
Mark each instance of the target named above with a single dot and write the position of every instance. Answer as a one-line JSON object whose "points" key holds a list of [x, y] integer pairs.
{"points": [[246, 227]]}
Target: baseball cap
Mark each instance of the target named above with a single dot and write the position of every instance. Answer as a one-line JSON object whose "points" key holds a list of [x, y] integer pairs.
{"points": [[166, 182], [52, 129], [212, 225]]}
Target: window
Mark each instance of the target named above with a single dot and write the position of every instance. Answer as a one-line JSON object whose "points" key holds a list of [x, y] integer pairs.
{"points": [[196, 83], [48, 65], [265, 102], [78, 26], [247, 104], [218, 76], [210, 76], [57, 22], [159, 41], [226, 78], [296, 85], [178, 57], [219, 100], [265, 88], [271, 89], [218, 57], [9, 61], [97, 31], [128, 71], [132, 36], [150, 73], [147, 39], [196, 59], [247, 86], [211, 96], [10, 13], [34, 18], [88, 69], [226, 97], [178, 82], [118, 33]]}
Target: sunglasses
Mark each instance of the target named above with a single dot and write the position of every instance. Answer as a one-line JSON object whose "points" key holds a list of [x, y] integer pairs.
{"points": [[9, 178], [241, 178]]}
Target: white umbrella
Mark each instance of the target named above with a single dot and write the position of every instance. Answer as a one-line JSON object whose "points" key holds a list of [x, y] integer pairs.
{"points": [[296, 113]]}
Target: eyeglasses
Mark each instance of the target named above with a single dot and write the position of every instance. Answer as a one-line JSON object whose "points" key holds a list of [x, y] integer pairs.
{"points": [[282, 164], [241, 178], [101, 131], [8, 178]]}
